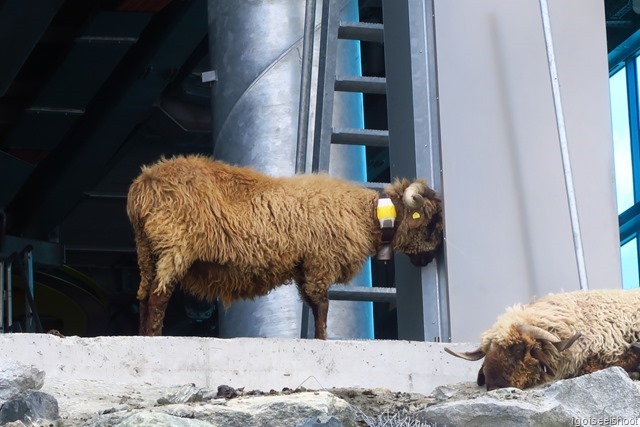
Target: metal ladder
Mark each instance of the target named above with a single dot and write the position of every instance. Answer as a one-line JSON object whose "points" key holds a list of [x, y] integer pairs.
{"points": [[325, 135], [420, 294]]}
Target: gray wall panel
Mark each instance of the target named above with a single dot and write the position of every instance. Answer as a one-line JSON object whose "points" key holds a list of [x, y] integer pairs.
{"points": [[507, 218]]}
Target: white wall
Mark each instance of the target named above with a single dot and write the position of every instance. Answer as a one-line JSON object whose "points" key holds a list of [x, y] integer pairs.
{"points": [[507, 219], [253, 363]]}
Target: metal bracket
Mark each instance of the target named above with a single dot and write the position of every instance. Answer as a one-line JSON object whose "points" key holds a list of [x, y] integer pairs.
{"points": [[209, 76]]}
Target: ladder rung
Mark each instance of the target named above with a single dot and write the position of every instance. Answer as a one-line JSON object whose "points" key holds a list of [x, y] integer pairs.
{"points": [[365, 31], [362, 84], [368, 137], [379, 186], [361, 293]]}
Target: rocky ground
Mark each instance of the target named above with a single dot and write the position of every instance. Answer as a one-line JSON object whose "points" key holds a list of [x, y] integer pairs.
{"points": [[81, 402], [607, 397]]}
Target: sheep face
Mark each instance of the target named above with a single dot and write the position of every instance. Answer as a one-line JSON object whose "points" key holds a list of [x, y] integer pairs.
{"points": [[525, 357], [419, 232], [515, 365]]}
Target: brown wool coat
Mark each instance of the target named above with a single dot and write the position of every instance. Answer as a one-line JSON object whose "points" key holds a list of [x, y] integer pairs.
{"points": [[230, 232]]}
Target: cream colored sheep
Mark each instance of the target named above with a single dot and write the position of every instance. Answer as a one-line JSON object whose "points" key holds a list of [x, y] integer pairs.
{"points": [[560, 336]]}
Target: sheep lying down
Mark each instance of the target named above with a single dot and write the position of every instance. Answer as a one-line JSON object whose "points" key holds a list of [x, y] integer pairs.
{"points": [[560, 336], [227, 232]]}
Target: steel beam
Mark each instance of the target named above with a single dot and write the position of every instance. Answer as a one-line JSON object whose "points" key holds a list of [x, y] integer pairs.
{"points": [[22, 24], [149, 67], [414, 151], [44, 253]]}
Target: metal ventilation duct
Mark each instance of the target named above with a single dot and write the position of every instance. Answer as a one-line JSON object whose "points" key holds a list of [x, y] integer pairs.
{"points": [[256, 49]]}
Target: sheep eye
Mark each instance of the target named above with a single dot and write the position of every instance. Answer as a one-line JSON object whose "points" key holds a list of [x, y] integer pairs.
{"points": [[518, 351]]}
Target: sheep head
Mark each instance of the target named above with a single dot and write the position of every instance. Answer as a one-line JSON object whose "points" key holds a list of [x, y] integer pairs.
{"points": [[526, 356], [419, 229]]}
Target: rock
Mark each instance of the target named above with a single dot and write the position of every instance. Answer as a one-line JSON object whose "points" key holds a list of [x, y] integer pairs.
{"points": [[323, 421], [16, 377], [285, 410], [607, 393], [30, 406], [272, 410], [603, 394], [186, 393], [227, 392], [158, 419]]}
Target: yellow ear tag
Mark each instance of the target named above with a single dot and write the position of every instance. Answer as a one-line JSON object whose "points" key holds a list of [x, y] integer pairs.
{"points": [[415, 215]]}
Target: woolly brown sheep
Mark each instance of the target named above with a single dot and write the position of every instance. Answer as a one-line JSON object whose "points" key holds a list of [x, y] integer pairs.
{"points": [[560, 336], [230, 232]]}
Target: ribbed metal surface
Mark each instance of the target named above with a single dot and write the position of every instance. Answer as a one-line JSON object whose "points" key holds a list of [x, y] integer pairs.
{"points": [[255, 49]]}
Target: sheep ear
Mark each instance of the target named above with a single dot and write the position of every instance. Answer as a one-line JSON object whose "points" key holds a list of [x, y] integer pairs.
{"points": [[565, 344], [469, 355], [481, 379]]}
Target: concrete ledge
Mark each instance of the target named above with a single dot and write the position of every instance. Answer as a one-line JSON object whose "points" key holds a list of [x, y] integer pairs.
{"points": [[253, 363]]}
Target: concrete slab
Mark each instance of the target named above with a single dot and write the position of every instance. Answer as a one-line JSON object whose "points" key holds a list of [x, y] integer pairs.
{"points": [[253, 363]]}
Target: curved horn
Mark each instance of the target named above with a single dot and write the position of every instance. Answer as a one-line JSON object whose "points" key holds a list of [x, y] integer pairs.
{"points": [[539, 333], [468, 355], [411, 196], [565, 344]]}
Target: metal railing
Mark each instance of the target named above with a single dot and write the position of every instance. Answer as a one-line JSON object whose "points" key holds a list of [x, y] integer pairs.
{"points": [[32, 321]]}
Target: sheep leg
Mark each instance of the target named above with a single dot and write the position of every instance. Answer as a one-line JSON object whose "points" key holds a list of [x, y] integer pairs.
{"points": [[143, 308], [320, 311], [629, 361], [147, 265], [169, 270], [318, 300], [156, 308]]}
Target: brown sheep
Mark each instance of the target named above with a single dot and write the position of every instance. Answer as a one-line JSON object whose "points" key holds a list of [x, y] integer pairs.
{"points": [[560, 336], [229, 232]]}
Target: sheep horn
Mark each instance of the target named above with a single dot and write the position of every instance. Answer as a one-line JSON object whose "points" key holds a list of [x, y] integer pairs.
{"points": [[539, 333], [565, 344], [468, 355], [411, 197]]}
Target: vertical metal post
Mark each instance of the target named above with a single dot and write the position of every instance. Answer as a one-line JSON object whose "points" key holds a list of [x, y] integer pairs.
{"points": [[564, 147], [631, 78], [2, 303], [414, 151], [305, 85], [27, 264], [326, 85], [304, 112], [8, 271]]}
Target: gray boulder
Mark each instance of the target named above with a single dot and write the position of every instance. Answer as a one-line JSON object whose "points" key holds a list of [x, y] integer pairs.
{"points": [[188, 393], [266, 411], [29, 406], [323, 421], [284, 410], [158, 419], [595, 396], [16, 377]]}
